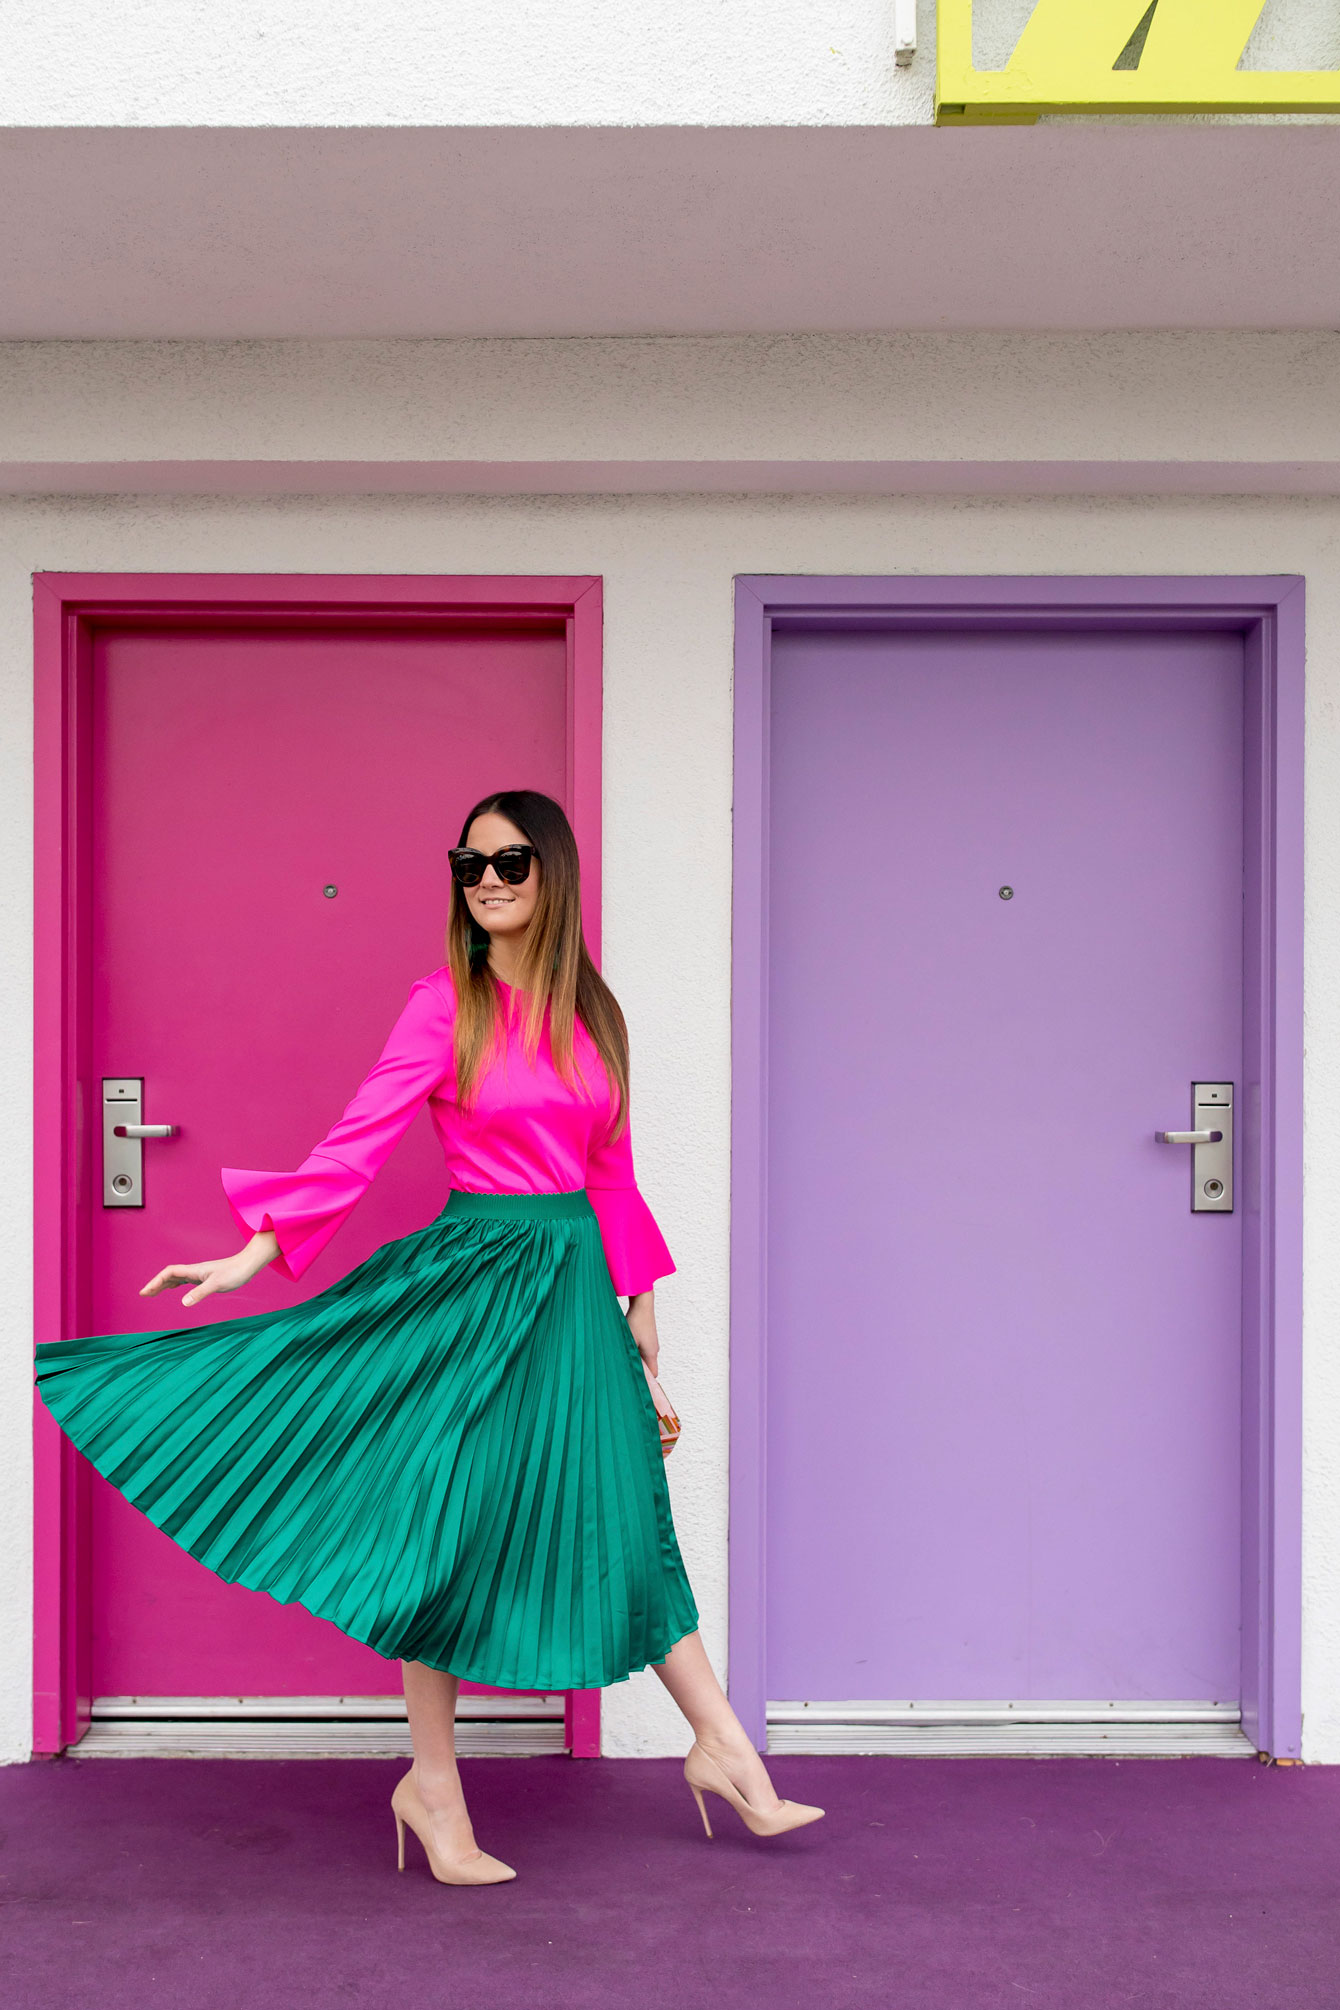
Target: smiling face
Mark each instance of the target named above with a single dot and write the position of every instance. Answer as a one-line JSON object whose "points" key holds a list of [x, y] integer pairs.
{"points": [[502, 910]]}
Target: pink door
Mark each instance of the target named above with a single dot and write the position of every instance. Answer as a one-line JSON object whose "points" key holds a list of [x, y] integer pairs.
{"points": [[272, 812]]}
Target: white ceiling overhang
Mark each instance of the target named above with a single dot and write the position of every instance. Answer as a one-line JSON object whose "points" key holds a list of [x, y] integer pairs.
{"points": [[141, 271], [486, 231]]}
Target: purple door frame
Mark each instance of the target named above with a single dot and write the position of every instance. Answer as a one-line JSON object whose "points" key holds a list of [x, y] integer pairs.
{"points": [[1268, 613]]}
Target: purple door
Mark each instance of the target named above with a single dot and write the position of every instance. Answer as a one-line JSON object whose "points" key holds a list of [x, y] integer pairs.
{"points": [[1003, 1355]]}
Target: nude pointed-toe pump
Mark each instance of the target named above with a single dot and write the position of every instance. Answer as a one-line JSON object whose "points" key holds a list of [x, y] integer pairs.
{"points": [[410, 1813], [705, 1776]]}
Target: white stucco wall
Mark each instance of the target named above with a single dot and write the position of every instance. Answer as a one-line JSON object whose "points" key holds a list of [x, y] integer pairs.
{"points": [[458, 62], [668, 565]]}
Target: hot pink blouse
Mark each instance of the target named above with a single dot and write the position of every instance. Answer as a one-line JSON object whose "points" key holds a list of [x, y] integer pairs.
{"points": [[526, 1131]]}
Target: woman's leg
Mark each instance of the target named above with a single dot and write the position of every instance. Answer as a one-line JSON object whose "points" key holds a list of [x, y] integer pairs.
{"points": [[430, 1701], [687, 1674]]}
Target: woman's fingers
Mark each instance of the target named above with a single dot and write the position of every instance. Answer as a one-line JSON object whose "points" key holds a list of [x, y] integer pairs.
{"points": [[174, 1277], [220, 1274], [167, 1280], [664, 1407], [217, 1273]]}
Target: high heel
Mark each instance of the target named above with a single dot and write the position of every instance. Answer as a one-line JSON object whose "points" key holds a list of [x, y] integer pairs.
{"points": [[409, 1811], [705, 1776]]}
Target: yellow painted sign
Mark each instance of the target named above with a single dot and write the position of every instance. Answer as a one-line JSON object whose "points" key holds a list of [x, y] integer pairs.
{"points": [[1119, 56]]}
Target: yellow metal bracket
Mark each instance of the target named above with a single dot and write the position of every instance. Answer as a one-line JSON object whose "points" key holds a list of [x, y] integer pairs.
{"points": [[1119, 56]]}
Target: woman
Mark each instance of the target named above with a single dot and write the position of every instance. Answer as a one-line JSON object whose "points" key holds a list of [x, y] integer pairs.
{"points": [[453, 1452]]}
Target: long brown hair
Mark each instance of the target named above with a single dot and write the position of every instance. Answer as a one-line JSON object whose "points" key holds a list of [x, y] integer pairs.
{"points": [[555, 972]]}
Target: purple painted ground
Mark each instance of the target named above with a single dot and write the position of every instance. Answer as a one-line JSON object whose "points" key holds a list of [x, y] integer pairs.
{"points": [[951, 1884]]}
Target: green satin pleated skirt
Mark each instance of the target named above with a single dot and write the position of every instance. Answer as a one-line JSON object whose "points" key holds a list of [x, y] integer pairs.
{"points": [[452, 1453]]}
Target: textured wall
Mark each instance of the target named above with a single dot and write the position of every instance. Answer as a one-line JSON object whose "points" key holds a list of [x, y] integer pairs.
{"points": [[534, 62], [447, 62], [668, 565]]}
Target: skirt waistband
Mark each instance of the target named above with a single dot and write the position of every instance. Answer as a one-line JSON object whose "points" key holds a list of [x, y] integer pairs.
{"points": [[520, 1206]]}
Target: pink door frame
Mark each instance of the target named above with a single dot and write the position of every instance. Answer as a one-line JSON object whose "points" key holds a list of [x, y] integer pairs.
{"points": [[1269, 613], [67, 608]]}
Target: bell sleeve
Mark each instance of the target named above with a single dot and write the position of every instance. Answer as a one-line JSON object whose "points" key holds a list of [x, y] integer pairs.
{"points": [[306, 1207], [634, 1247]]}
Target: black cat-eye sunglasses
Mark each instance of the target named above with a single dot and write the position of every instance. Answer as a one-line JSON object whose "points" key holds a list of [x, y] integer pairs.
{"points": [[512, 864]]}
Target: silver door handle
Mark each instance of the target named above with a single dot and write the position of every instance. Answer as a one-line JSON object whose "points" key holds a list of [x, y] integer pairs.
{"points": [[1211, 1150], [123, 1138]]}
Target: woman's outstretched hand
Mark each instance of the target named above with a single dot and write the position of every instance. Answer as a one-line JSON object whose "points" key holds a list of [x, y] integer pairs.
{"points": [[219, 1273]]}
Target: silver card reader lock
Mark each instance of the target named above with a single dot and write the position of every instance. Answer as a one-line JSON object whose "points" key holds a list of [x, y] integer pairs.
{"points": [[123, 1135], [1211, 1142]]}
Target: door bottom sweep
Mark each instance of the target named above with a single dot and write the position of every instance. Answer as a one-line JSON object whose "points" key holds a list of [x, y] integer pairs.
{"points": [[310, 1727], [1024, 1730]]}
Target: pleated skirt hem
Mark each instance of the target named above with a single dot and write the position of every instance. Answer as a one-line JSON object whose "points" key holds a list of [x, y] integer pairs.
{"points": [[548, 1681], [451, 1455]]}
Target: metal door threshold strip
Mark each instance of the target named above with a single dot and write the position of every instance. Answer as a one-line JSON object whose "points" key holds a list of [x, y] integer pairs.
{"points": [[309, 1727], [1024, 1730]]}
